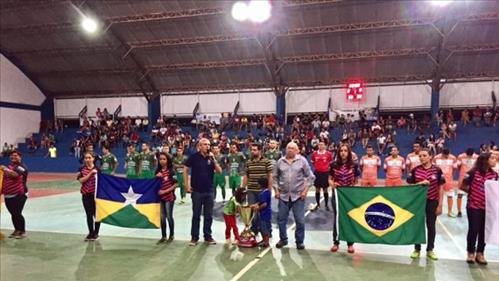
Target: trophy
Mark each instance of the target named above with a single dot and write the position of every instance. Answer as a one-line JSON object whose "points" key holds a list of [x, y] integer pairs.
{"points": [[247, 238]]}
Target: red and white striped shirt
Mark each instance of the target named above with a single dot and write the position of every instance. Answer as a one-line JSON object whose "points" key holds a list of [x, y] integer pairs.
{"points": [[13, 186], [87, 187], [166, 183], [433, 175], [476, 183], [344, 175]]}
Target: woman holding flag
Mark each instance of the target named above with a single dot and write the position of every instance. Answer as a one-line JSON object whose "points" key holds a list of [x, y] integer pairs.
{"points": [[87, 178], [429, 175], [167, 194], [474, 184], [343, 172]]}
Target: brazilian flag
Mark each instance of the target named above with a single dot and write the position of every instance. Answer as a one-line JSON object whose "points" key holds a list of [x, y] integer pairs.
{"points": [[382, 215], [127, 203]]}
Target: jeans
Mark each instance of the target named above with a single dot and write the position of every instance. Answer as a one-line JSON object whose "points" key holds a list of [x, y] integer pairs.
{"points": [[298, 208], [476, 230], [15, 206], [166, 208], [202, 202], [255, 223], [431, 218], [89, 206]]}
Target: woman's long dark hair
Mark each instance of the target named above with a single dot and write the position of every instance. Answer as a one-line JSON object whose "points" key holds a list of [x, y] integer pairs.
{"points": [[339, 161], [169, 162], [482, 163]]}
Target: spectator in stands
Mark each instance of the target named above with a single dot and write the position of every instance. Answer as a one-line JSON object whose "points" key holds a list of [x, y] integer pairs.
{"points": [[145, 124], [439, 118], [413, 125], [52, 152], [32, 145], [381, 141], [440, 143], [444, 131], [364, 137], [487, 117], [5, 150], [452, 130], [431, 144], [477, 116], [401, 122], [465, 117], [375, 129]]}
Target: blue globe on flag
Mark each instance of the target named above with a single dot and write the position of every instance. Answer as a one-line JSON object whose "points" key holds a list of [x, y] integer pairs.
{"points": [[379, 216]]}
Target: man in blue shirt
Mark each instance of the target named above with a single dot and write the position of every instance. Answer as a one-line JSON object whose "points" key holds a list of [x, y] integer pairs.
{"points": [[203, 165]]}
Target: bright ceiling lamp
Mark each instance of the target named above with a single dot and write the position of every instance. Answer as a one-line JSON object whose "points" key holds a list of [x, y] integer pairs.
{"points": [[240, 11], [89, 25], [259, 10], [441, 3]]}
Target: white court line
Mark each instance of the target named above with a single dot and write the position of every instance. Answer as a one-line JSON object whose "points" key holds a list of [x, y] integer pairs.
{"points": [[264, 252], [452, 238]]}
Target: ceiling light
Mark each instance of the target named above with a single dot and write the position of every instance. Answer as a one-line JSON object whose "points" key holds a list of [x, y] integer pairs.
{"points": [[441, 3], [89, 25], [240, 11], [259, 10]]}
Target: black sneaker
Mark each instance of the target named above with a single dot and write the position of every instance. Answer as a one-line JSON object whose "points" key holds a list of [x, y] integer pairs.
{"points": [[162, 240], [13, 234], [459, 215], [88, 238], [327, 208], [281, 244], [94, 237], [210, 241], [300, 246], [171, 238]]}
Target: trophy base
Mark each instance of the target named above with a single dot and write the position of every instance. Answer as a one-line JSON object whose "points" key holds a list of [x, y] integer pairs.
{"points": [[247, 242]]}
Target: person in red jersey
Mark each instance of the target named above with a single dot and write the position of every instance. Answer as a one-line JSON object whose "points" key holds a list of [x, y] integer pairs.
{"points": [[431, 176], [474, 184], [321, 159], [343, 172], [167, 194], [15, 192], [87, 178]]}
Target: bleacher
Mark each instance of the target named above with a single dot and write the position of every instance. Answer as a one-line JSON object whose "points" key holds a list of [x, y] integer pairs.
{"points": [[469, 136]]}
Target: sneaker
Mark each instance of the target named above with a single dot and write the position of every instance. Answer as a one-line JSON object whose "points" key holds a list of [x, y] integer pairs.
{"points": [[210, 241], [451, 215], [471, 258], [228, 242], [20, 235], [431, 255], [327, 208], [193, 242], [281, 244], [316, 208], [459, 215], [480, 259], [300, 246], [416, 254], [350, 250], [13, 234], [171, 238], [335, 248], [88, 238], [162, 240], [94, 237]]}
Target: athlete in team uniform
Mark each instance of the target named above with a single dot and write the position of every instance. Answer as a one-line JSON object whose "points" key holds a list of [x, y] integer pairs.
{"points": [[147, 163], [369, 165], [447, 163], [235, 161], [465, 162], [394, 166], [132, 163], [178, 164], [109, 161]]}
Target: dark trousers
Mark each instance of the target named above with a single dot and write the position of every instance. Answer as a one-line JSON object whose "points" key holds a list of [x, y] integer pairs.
{"points": [[253, 199], [431, 219], [89, 206], [476, 230], [15, 206], [166, 208], [202, 203], [335, 219]]}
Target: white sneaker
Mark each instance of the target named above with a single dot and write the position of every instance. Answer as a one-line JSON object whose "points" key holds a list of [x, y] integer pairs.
{"points": [[228, 242]]}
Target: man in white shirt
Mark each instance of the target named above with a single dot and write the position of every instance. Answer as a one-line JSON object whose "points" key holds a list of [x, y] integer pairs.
{"points": [[52, 151]]}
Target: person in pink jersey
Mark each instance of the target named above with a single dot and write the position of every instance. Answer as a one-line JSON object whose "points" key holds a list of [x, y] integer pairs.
{"points": [[412, 160], [465, 162], [447, 163], [394, 166], [369, 165]]}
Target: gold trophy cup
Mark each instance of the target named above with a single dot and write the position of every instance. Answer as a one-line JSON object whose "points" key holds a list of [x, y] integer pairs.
{"points": [[247, 238]]}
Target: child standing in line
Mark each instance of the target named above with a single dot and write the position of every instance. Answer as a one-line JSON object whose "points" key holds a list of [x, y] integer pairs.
{"points": [[230, 211], [264, 207]]}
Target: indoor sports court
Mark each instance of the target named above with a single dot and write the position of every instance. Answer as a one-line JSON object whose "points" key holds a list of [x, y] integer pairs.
{"points": [[123, 121]]}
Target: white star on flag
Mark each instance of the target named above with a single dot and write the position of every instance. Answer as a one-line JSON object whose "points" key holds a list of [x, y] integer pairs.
{"points": [[131, 197]]}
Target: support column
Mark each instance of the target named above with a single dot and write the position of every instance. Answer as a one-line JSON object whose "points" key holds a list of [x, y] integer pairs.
{"points": [[47, 109], [281, 107], [153, 110], [435, 107]]}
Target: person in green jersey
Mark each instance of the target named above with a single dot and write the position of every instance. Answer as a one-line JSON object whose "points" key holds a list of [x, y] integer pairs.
{"points": [[218, 178], [273, 153], [178, 164], [109, 161], [147, 163], [132, 162], [235, 162]]}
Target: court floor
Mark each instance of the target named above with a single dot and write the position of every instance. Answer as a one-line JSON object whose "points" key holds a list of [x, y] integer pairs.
{"points": [[54, 249]]}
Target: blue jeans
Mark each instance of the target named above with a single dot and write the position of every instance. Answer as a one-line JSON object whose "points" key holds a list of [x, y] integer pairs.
{"points": [[255, 223], [166, 208], [298, 208], [202, 202], [266, 228]]}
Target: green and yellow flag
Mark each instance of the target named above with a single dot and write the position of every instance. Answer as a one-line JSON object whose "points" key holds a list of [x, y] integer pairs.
{"points": [[382, 215]]}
